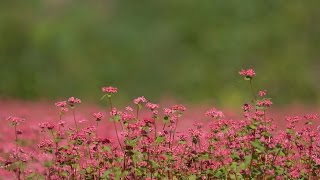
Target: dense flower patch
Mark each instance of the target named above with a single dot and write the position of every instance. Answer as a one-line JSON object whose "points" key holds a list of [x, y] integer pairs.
{"points": [[150, 145]]}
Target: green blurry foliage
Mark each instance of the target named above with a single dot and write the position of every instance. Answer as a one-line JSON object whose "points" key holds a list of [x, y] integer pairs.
{"points": [[191, 50]]}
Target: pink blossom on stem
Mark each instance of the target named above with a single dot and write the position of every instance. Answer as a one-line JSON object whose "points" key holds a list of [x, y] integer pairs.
{"points": [[248, 73], [140, 100], [98, 116], [262, 93], [214, 113], [110, 90], [72, 101]]}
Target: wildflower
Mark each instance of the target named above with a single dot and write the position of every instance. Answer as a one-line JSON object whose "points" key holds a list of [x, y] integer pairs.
{"points": [[110, 90], [46, 125], [61, 104], [178, 107], [115, 112], [264, 103], [140, 100], [152, 106], [72, 101], [49, 125], [246, 107], [126, 117], [98, 116], [262, 93], [214, 113], [183, 137], [168, 111], [199, 125], [19, 131], [311, 116], [292, 119], [128, 108], [247, 73], [45, 144], [62, 123], [15, 120]]}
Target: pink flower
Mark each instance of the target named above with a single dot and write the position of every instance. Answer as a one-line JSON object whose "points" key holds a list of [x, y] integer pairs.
{"points": [[115, 112], [311, 116], [15, 120], [214, 113], [140, 100], [110, 90], [179, 107], [62, 123], [264, 103], [152, 106], [168, 111], [246, 107], [128, 108], [72, 101], [98, 116], [48, 125], [61, 104], [248, 73], [262, 93]]}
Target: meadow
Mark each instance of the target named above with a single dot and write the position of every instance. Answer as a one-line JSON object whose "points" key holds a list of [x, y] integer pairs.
{"points": [[145, 140]]}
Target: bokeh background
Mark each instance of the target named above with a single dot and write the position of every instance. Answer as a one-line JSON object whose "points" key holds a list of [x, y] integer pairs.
{"points": [[183, 49]]}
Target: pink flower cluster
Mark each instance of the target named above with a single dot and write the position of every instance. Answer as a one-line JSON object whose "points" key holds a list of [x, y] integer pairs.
{"points": [[214, 113], [98, 116], [110, 90], [248, 73]]}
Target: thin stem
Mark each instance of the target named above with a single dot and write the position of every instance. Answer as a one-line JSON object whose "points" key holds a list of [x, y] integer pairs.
{"points": [[310, 159], [74, 117], [97, 129], [174, 131], [16, 136], [155, 130], [15, 132], [115, 127], [254, 95], [137, 115], [114, 123], [56, 144]]}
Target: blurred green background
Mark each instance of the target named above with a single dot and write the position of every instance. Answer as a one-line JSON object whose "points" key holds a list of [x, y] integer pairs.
{"points": [[187, 49]]}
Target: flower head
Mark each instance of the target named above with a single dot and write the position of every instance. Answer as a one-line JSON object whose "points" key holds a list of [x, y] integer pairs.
{"points": [[98, 116], [61, 104], [110, 90], [15, 120], [152, 106], [247, 73], [72, 101], [214, 113], [140, 100], [262, 93]]}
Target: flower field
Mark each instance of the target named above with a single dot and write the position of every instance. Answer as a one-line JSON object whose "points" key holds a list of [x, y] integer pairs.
{"points": [[145, 140]]}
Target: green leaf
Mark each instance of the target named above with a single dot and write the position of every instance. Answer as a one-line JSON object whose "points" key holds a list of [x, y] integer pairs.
{"points": [[257, 144], [89, 170], [252, 126], [48, 164], [106, 148], [218, 174], [192, 177], [103, 97], [160, 139], [246, 163], [267, 134]]}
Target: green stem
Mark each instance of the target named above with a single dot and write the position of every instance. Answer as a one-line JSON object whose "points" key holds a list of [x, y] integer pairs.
{"points": [[254, 95]]}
